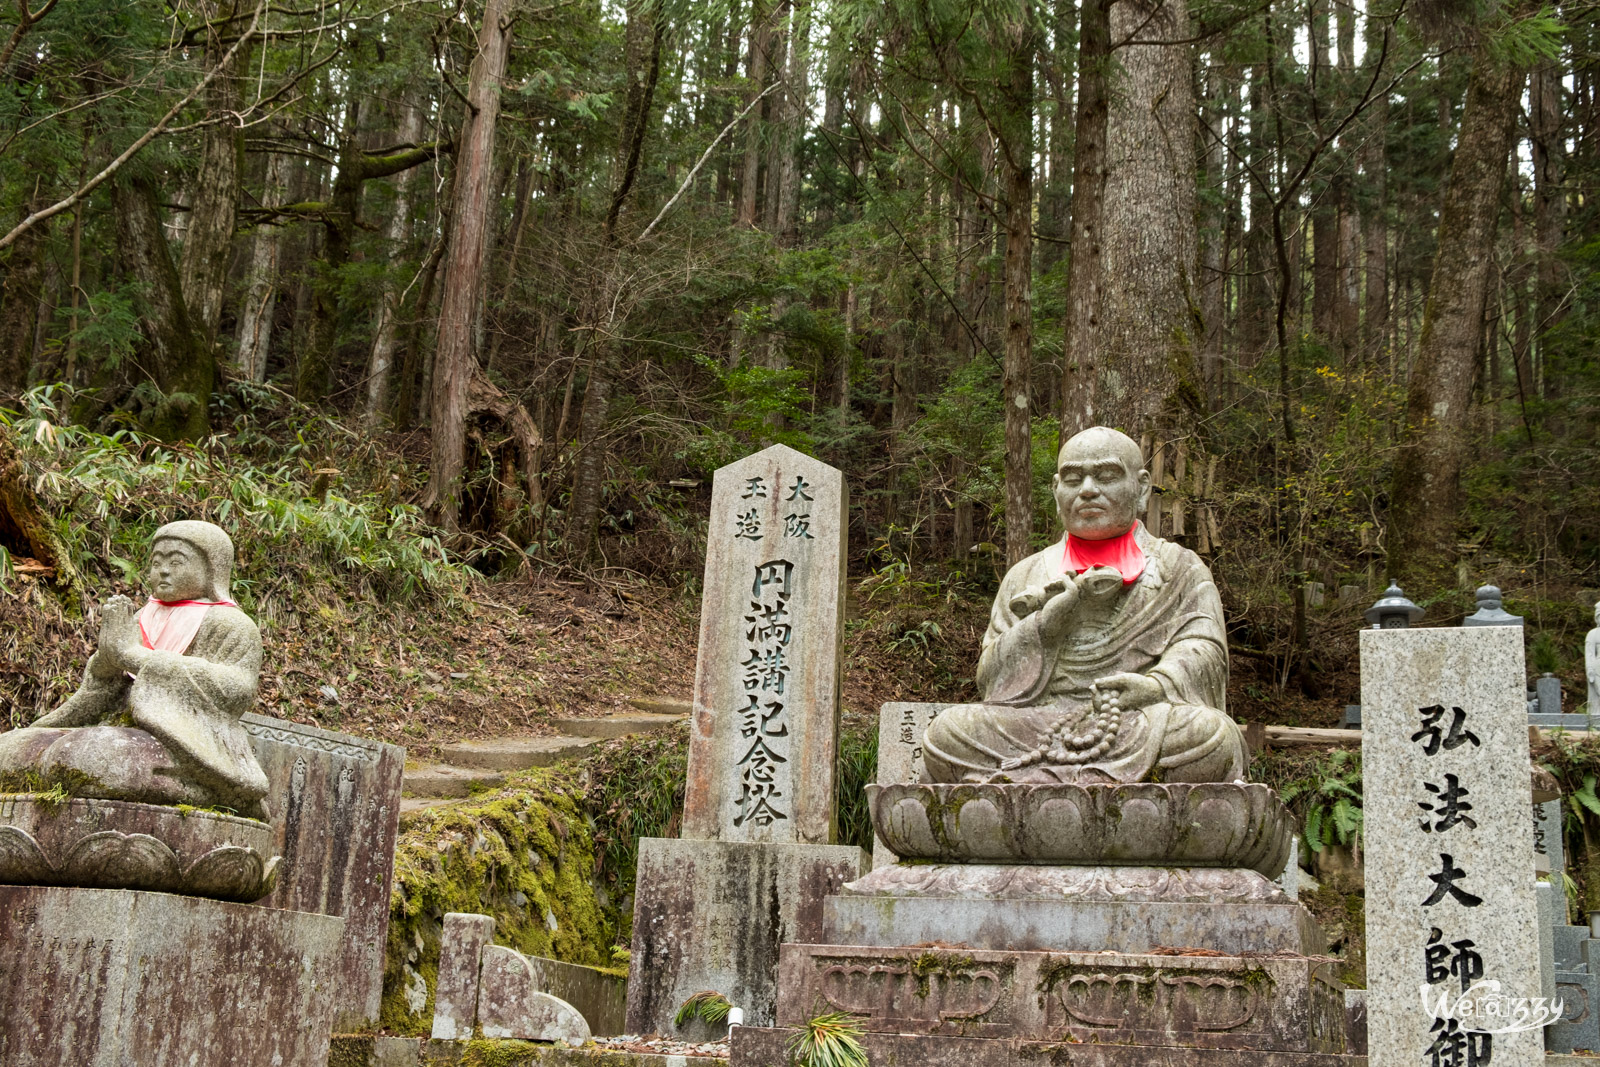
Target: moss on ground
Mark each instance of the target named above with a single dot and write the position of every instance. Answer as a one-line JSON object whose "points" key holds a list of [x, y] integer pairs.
{"points": [[524, 854]]}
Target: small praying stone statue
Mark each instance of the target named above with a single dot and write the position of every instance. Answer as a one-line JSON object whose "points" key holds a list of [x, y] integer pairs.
{"points": [[1106, 657], [156, 718], [1591, 662]]}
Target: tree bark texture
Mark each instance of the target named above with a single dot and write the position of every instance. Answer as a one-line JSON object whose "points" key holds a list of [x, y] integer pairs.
{"points": [[208, 239], [380, 363], [1148, 324], [19, 306], [761, 16], [174, 355], [27, 529], [261, 279], [464, 265], [642, 55], [1080, 367], [1425, 499], [1016, 155]]}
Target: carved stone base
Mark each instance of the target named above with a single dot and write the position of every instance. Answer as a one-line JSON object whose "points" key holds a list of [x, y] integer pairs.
{"points": [[107, 977], [116, 844], [1167, 885], [1281, 1004], [1029, 911], [1215, 824], [760, 1047]]}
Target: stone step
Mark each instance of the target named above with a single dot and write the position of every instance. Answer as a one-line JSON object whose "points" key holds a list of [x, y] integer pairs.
{"points": [[676, 706], [410, 804], [515, 753], [443, 780], [609, 726]]}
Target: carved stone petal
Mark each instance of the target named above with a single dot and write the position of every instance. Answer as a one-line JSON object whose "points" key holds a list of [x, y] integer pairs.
{"points": [[116, 860], [227, 873], [21, 860]]}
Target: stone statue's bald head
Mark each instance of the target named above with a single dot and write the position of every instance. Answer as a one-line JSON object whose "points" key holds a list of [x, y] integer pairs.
{"points": [[1096, 440], [1101, 486]]}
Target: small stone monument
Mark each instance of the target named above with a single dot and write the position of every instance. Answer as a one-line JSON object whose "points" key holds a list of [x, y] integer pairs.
{"points": [[1449, 848], [1083, 874], [1490, 612], [128, 901], [755, 858]]}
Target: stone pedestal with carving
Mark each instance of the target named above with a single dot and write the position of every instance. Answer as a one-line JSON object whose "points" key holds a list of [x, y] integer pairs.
{"points": [[1287, 1004], [108, 977], [1133, 923]]}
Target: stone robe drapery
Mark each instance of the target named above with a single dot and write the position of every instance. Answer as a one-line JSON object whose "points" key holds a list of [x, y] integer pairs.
{"points": [[1168, 626], [190, 702]]}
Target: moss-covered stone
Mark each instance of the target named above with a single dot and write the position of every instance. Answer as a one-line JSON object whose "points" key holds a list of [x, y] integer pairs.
{"points": [[523, 854]]}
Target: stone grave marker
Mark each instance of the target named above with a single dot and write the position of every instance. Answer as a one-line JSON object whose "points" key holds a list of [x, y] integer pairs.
{"points": [[1449, 877], [335, 804], [755, 861], [900, 729], [766, 698]]}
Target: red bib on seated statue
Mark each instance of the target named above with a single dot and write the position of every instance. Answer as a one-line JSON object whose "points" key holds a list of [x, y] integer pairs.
{"points": [[1122, 554]]}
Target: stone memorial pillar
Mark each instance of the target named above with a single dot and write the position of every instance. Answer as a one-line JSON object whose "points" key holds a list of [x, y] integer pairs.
{"points": [[755, 860], [1450, 894]]}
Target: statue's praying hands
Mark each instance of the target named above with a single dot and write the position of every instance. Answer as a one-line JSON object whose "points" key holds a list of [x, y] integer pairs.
{"points": [[156, 718]]}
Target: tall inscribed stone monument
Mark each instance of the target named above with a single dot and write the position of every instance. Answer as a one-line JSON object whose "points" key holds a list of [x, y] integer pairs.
{"points": [[755, 860], [766, 698], [1449, 863]]}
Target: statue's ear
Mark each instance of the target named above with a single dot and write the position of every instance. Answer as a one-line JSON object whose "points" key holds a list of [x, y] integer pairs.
{"points": [[1144, 492]]}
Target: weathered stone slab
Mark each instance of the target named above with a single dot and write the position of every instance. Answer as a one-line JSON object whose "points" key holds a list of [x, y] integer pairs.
{"points": [[1355, 1021], [765, 1047], [1069, 925], [1450, 896], [711, 915], [113, 977], [511, 1006], [1569, 947], [1138, 885], [1549, 850], [369, 1050], [763, 739], [462, 940], [900, 729], [1580, 1024], [335, 805], [601, 998], [1282, 1004]]}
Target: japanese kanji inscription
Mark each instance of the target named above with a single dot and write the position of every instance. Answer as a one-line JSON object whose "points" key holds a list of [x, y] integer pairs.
{"points": [[1452, 946], [762, 750]]}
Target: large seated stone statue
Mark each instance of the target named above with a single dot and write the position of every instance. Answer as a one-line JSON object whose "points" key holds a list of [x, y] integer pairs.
{"points": [[1106, 658], [156, 718]]}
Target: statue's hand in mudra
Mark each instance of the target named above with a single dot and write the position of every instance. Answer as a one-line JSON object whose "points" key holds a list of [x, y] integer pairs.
{"points": [[1127, 691], [119, 633]]}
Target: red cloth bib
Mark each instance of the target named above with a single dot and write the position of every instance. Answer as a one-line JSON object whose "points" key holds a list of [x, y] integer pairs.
{"points": [[1122, 554], [170, 625]]}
